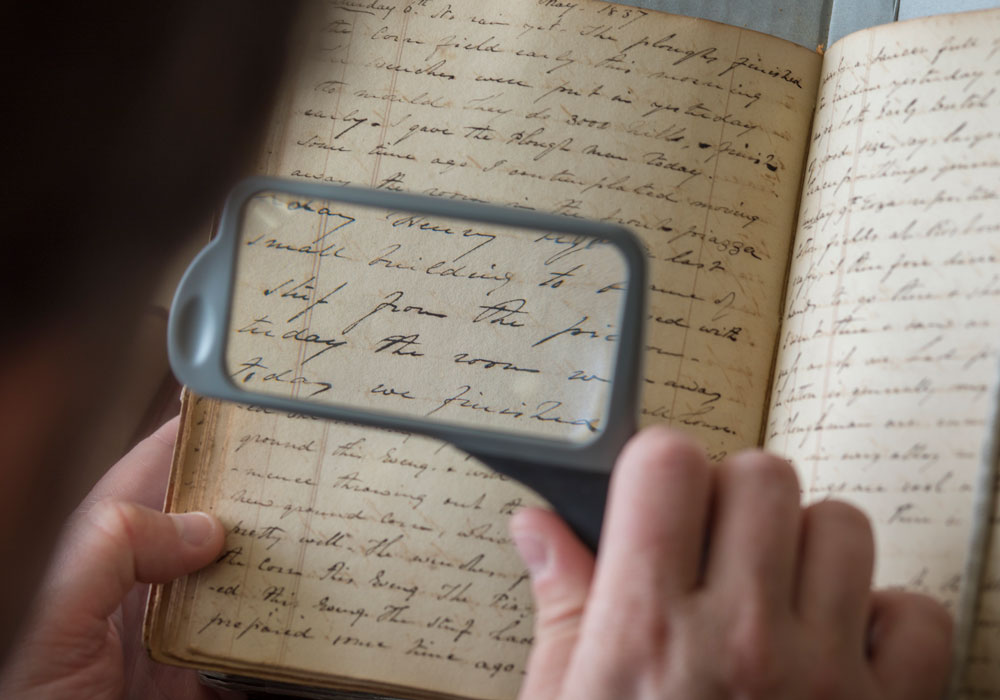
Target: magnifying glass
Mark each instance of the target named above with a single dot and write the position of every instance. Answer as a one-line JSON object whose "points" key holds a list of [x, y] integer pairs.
{"points": [[511, 334]]}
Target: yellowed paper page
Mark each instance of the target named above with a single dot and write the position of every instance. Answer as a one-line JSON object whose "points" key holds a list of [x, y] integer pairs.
{"points": [[892, 319], [688, 132], [384, 558]]}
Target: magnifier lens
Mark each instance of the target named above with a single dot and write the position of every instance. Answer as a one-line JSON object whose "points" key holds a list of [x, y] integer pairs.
{"points": [[474, 324]]}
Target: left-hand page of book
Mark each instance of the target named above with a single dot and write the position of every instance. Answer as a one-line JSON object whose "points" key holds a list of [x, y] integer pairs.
{"points": [[366, 559]]}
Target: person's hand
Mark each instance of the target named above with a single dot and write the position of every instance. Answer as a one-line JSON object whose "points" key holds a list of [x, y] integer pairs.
{"points": [[83, 640], [713, 582]]}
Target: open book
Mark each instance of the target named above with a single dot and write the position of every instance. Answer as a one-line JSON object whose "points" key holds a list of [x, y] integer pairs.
{"points": [[824, 252]]}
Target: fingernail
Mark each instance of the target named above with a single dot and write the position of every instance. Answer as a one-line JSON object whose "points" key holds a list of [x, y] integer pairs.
{"points": [[533, 550], [194, 528]]}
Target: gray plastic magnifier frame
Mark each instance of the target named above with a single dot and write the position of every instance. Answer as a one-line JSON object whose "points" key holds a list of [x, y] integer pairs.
{"points": [[571, 476]]}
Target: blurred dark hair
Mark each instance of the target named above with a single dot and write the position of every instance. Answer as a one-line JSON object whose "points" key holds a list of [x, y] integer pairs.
{"points": [[125, 122]]}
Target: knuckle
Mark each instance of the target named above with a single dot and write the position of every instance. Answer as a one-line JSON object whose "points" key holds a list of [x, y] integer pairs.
{"points": [[638, 641], [652, 640], [114, 523], [754, 667], [113, 518], [913, 630], [935, 618], [936, 614], [827, 682], [644, 632], [843, 518], [559, 613], [771, 471]]}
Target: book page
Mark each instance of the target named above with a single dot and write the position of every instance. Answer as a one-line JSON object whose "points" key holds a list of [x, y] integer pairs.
{"points": [[383, 558], [688, 132], [892, 319]]}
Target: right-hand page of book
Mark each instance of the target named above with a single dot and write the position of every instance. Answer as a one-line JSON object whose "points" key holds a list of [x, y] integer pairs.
{"points": [[891, 323]]}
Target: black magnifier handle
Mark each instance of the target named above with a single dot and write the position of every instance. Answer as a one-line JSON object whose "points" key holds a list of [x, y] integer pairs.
{"points": [[579, 497]]}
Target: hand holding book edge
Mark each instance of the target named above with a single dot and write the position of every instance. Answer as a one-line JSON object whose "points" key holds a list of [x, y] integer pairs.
{"points": [[83, 640]]}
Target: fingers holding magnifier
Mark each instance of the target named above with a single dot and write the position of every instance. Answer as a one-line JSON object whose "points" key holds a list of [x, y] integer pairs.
{"points": [[657, 516], [756, 528], [714, 581], [650, 554], [835, 574]]}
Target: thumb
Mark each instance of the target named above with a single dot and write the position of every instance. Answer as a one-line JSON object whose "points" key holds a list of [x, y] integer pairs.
{"points": [[104, 552], [116, 544], [561, 569]]}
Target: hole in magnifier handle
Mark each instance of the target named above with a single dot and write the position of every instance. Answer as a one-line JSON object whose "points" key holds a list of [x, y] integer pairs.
{"points": [[193, 325]]}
